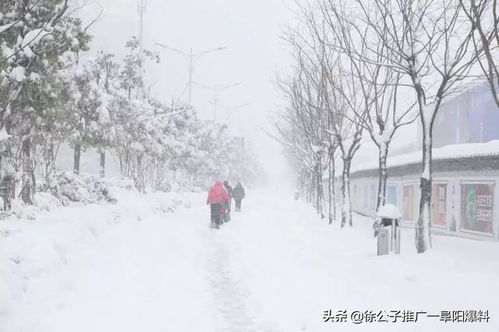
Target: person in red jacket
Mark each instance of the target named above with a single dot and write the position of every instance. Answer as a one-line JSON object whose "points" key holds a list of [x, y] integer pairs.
{"points": [[217, 199]]}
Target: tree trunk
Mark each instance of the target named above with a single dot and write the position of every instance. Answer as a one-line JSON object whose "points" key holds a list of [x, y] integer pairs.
{"points": [[102, 170], [128, 168], [423, 227], [346, 213], [140, 181], [317, 188], [76, 158], [27, 176], [313, 191], [49, 158], [307, 182], [320, 189], [8, 165], [382, 175], [49, 163], [331, 191]]}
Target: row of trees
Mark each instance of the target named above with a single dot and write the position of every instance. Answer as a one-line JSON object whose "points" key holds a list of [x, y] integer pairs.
{"points": [[52, 92], [369, 68]]}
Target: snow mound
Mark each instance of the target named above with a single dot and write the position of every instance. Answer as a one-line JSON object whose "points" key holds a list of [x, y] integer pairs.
{"points": [[389, 211], [177, 186], [46, 201], [74, 188], [21, 211]]}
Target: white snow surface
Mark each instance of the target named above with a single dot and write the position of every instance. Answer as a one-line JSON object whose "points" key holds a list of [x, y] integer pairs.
{"points": [[34, 37], [150, 263], [389, 211], [453, 151], [5, 27], [3, 135], [18, 74]]}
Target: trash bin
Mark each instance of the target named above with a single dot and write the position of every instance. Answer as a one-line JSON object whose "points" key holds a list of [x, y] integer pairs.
{"points": [[387, 229], [383, 241]]}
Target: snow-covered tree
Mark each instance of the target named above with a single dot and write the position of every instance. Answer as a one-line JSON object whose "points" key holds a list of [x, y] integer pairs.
{"points": [[388, 105], [40, 42], [52, 92], [430, 43], [131, 75], [484, 18], [89, 119], [336, 96]]}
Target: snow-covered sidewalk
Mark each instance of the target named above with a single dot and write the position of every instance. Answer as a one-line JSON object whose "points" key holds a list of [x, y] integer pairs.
{"points": [[137, 266], [127, 267]]}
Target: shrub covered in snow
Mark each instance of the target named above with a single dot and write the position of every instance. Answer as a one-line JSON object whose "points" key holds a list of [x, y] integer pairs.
{"points": [[72, 188], [46, 201], [178, 186], [100, 103]]}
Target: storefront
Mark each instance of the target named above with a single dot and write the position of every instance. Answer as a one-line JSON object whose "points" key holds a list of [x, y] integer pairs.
{"points": [[464, 194], [439, 205], [408, 202], [477, 208], [392, 194]]}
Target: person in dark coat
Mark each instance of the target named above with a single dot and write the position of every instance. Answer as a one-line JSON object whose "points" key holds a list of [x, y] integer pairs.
{"points": [[238, 194]]}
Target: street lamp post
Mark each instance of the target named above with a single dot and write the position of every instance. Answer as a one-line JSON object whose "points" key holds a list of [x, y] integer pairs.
{"points": [[216, 90], [191, 58], [141, 9]]}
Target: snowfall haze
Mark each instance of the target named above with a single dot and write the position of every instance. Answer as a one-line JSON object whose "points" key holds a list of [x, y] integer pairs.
{"points": [[251, 31], [324, 170]]}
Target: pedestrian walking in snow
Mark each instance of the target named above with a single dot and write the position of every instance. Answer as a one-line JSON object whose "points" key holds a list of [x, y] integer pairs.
{"points": [[238, 194], [217, 199], [228, 188]]}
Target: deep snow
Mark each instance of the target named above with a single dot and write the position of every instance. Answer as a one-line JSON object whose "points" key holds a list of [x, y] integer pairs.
{"points": [[151, 263]]}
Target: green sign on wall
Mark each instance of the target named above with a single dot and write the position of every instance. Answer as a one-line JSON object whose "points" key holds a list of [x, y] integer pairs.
{"points": [[477, 207]]}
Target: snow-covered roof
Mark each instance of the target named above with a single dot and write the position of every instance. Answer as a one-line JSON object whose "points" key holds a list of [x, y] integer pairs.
{"points": [[389, 211], [474, 86], [454, 151]]}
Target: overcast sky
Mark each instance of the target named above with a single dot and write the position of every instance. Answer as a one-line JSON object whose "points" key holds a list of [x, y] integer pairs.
{"points": [[250, 30]]}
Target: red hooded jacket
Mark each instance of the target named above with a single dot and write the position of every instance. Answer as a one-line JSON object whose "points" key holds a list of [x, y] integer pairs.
{"points": [[217, 194]]}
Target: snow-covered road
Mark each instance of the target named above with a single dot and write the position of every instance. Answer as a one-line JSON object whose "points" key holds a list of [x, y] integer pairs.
{"points": [[275, 267]]}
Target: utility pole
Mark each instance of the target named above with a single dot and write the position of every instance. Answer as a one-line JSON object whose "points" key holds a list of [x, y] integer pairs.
{"points": [[191, 58], [216, 90], [141, 9]]}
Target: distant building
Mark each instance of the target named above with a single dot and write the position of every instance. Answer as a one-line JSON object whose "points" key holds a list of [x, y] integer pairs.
{"points": [[465, 194], [470, 117]]}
